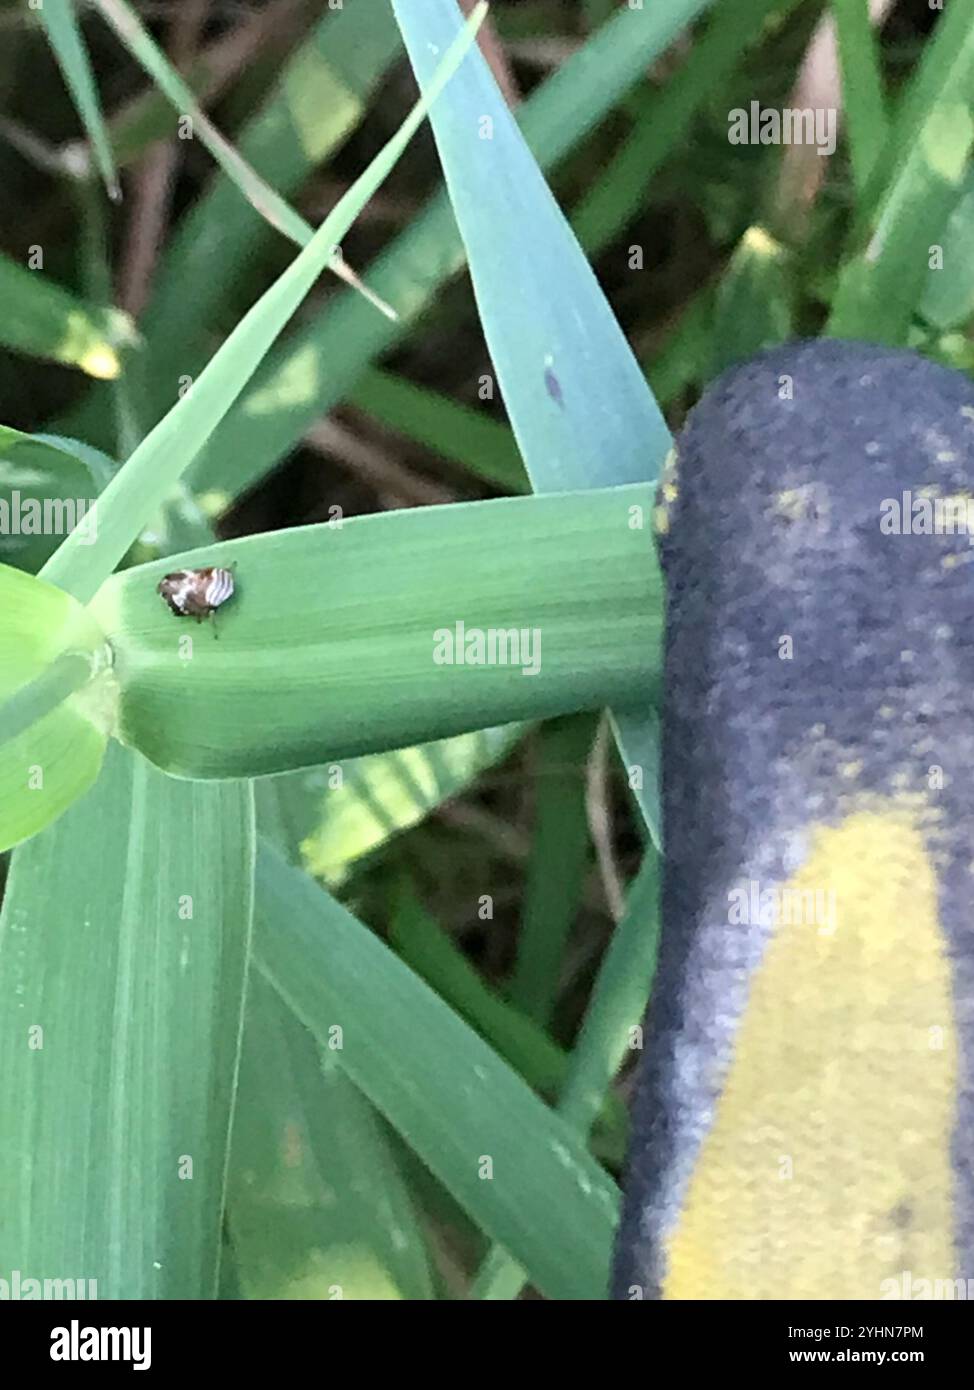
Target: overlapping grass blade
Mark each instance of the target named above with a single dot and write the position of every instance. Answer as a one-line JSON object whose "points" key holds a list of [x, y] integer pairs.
{"points": [[55, 710], [318, 364], [165, 454], [919, 177], [578, 403], [316, 1206], [318, 99], [332, 817], [47, 486], [612, 1028], [258, 192], [470, 437], [512, 1163], [255, 189]]}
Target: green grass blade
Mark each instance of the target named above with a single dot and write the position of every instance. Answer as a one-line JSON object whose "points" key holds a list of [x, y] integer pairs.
{"points": [[577, 400], [612, 1028], [319, 363], [317, 1208], [363, 620], [45, 320], [533, 1054], [923, 167], [447, 1093], [469, 437], [123, 950], [597, 11], [666, 115], [159, 462], [47, 486], [67, 673], [862, 88], [948, 296], [334, 816], [613, 1020], [557, 867], [258, 192], [64, 35], [754, 306], [319, 98], [579, 405]]}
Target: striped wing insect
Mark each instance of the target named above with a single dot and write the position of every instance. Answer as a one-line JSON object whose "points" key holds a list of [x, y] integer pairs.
{"points": [[197, 593]]}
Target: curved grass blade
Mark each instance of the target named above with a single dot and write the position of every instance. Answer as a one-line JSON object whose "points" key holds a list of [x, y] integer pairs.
{"points": [[48, 485]]}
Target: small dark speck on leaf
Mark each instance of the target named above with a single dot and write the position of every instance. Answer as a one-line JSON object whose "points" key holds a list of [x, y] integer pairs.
{"points": [[553, 386]]}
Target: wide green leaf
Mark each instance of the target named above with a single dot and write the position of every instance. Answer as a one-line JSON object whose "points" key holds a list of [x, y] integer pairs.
{"points": [[123, 951], [388, 630]]}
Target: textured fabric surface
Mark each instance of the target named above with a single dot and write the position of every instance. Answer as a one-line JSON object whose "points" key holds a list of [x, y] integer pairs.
{"points": [[803, 1119]]}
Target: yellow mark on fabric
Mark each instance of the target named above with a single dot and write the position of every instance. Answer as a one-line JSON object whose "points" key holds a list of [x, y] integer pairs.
{"points": [[827, 1167], [667, 493]]}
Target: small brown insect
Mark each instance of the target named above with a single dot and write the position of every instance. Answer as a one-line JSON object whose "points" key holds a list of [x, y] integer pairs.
{"points": [[197, 593]]}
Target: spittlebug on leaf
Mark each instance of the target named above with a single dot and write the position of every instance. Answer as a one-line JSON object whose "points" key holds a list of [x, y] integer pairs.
{"points": [[197, 593]]}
